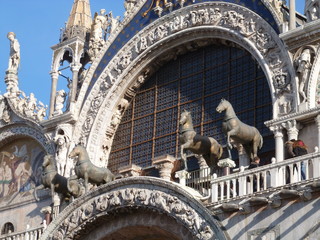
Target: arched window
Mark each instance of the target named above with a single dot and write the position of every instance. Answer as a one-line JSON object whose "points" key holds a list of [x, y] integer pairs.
{"points": [[195, 82], [7, 228]]}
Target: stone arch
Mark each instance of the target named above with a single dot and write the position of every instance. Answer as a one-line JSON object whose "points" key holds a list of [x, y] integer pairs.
{"points": [[59, 57], [313, 85], [13, 132], [138, 195], [125, 72]]}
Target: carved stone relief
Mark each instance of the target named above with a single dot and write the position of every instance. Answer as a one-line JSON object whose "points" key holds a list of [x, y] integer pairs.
{"points": [[237, 22], [142, 198]]}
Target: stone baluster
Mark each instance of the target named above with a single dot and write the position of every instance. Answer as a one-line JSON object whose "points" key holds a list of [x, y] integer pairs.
{"points": [[214, 189], [165, 166]]}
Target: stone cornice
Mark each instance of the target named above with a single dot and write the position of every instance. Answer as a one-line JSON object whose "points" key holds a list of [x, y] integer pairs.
{"points": [[303, 35], [304, 116]]}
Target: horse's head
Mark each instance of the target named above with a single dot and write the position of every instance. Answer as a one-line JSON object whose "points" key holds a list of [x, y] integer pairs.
{"points": [[184, 117], [47, 160], [75, 152], [223, 105]]}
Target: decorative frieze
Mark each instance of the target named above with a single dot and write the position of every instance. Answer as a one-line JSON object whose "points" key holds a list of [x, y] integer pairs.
{"points": [[155, 200]]}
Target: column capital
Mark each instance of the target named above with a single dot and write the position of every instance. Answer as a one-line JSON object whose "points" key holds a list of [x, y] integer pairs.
{"points": [[130, 170], [277, 130], [165, 165], [75, 66]]}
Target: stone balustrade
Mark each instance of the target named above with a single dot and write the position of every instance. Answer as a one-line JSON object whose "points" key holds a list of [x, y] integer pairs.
{"points": [[272, 175], [29, 234]]}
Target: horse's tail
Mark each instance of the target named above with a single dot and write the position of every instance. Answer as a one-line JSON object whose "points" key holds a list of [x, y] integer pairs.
{"points": [[220, 151], [261, 142]]}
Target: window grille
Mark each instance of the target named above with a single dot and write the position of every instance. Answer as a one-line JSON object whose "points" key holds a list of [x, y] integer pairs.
{"points": [[195, 82]]}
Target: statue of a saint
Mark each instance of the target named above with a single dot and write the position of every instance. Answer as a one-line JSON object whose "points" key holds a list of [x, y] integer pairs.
{"points": [[311, 10], [59, 103], [99, 25], [14, 59], [303, 70]]}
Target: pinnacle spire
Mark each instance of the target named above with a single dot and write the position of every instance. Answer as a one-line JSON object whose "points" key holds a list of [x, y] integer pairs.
{"points": [[80, 20]]}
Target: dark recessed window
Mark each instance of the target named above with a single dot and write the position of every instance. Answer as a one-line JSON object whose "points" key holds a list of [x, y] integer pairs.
{"points": [[7, 228]]}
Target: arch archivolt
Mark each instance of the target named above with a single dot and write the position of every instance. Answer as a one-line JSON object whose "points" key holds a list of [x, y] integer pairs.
{"points": [[313, 91], [214, 20], [13, 132], [139, 194]]}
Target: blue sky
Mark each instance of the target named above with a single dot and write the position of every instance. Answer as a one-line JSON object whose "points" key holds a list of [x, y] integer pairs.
{"points": [[37, 24]]}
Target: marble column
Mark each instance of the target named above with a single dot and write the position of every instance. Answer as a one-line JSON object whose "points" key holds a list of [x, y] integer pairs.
{"points": [[165, 165], [292, 14], [54, 80], [75, 72], [278, 135]]}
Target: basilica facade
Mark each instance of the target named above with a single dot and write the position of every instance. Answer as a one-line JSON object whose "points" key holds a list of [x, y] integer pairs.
{"points": [[105, 159]]}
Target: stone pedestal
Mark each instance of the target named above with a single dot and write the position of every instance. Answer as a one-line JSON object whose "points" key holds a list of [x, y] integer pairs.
{"points": [[226, 164], [165, 166], [46, 211], [183, 175], [130, 171], [11, 79]]}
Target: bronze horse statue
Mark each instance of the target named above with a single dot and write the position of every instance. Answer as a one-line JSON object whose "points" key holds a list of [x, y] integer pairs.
{"points": [[208, 147], [51, 179], [239, 132], [86, 170]]}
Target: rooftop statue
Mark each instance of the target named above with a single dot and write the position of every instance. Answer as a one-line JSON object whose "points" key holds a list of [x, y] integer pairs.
{"points": [[311, 10], [86, 170], [14, 59], [208, 147], [238, 131]]}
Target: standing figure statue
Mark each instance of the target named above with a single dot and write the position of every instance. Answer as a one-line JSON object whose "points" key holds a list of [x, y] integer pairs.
{"points": [[208, 147], [59, 102], [311, 10], [238, 131], [303, 70], [99, 25], [14, 59]]}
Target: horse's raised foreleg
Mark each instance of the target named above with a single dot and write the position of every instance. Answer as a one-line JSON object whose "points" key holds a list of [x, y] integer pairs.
{"points": [[184, 155], [86, 181]]}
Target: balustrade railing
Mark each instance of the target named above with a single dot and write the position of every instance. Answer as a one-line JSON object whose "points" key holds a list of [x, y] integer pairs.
{"points": [[29, 234], [248, 181]]}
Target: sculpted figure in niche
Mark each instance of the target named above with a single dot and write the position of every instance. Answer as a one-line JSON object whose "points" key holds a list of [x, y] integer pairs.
{"points": [[303, 70], [59, 103], [14, 59], [311, 10]]}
